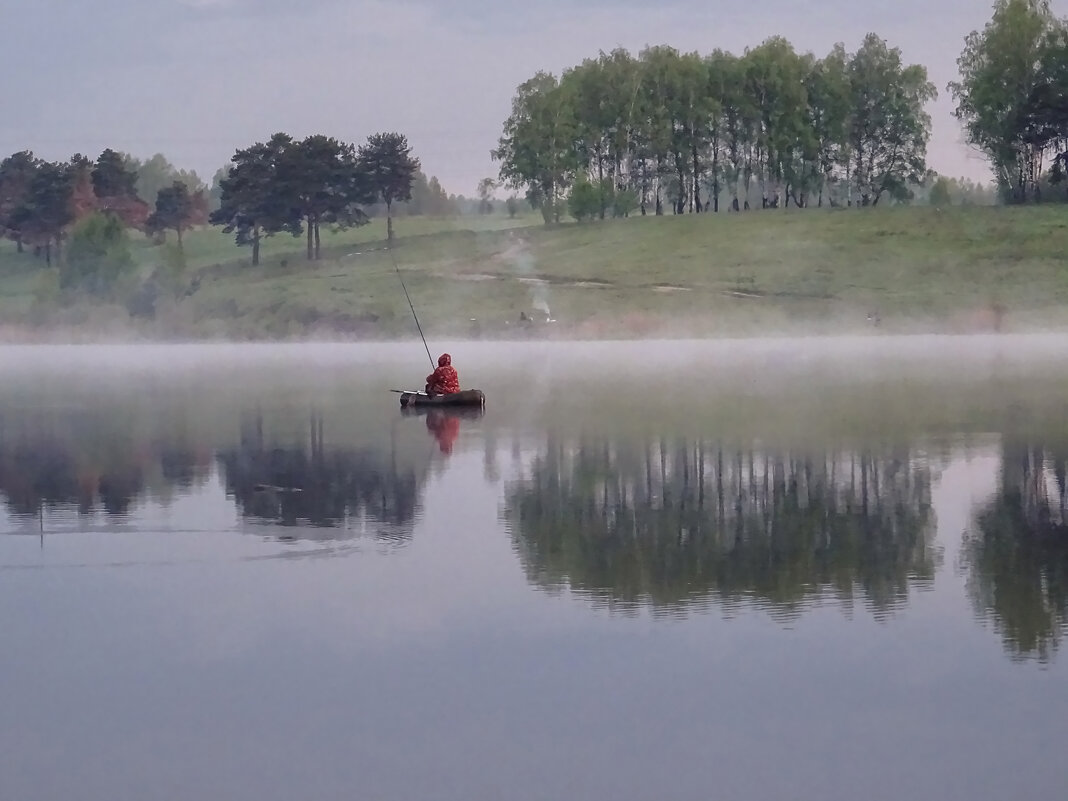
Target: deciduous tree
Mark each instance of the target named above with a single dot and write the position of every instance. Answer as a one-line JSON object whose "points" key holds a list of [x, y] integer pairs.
{"points": [[1001, 72], [889, 127], [536, 150]]}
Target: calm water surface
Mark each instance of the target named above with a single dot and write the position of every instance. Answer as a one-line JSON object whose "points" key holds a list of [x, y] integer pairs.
{"points": [[830, 569]]}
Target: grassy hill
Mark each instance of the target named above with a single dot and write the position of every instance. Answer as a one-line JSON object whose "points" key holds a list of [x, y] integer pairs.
{"points": [[810, 270]]}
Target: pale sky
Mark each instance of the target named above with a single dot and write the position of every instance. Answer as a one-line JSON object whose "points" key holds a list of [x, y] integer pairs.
{"points": [[197, 79]]}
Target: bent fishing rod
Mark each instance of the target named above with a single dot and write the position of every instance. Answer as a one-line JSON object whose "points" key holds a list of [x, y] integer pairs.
{"points": [[410, 306]]}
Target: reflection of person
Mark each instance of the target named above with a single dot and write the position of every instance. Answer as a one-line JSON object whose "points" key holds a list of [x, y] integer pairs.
{"points": [[444, 427], [444, 380]]}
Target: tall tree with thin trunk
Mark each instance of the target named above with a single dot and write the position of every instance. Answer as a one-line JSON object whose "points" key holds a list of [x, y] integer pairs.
{"points": [[386, 164], [536, 150], [889, 128]]}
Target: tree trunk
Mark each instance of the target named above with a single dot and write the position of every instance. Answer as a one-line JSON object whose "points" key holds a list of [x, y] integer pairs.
{"points": [[715, 176], [48, 252], [317, 240], [389, 221], [696, 183], [178, 228], [600, 181], [659, 173], [680, 203], [311, 233], [255, 246], [18, 244]]}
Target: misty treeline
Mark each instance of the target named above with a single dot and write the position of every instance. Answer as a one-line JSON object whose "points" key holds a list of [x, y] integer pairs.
{"points": [[1012, 97], [773, 127], [77, 214], [41, 201]]}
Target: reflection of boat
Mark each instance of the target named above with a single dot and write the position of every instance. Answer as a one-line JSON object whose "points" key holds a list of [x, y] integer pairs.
{"points": [[459, 412], [467, 398]]}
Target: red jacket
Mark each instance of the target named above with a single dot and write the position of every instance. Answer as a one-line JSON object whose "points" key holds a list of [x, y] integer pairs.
{"points": [[444, 380]]}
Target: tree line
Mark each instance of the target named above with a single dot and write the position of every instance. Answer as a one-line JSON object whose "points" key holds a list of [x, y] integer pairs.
{"points": [[774, 127], [283, 185], [692, 132], [40, 200]]}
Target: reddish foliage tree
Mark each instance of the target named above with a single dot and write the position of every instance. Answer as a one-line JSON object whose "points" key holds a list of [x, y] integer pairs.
{"points": [[199, 214]]}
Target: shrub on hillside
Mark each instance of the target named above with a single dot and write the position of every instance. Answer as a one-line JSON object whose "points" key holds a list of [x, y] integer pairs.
{"points": [[98, 255]]}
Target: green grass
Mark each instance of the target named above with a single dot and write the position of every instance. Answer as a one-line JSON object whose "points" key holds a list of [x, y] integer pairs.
{"points": [[729, 273]]}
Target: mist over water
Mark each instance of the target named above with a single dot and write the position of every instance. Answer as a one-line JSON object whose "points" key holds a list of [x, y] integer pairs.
{"points": [[785, 567]]}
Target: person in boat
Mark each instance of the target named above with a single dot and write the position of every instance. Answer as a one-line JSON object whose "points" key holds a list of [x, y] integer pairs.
{"points": [[444, 380]]}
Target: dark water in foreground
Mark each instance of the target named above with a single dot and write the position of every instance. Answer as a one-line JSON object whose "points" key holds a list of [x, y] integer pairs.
{"points": [[830, 569]]}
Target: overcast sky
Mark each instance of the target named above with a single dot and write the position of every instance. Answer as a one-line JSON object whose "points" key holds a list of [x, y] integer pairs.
{"points": [[197, 79]]}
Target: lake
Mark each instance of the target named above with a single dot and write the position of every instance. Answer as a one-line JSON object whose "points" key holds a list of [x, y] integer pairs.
{"points": [[750, 569]]}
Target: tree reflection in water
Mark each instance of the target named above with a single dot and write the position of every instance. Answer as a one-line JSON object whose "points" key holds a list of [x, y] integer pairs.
{"points": [[93, 463], [680, 525], [1017, 554], [352, 490]]}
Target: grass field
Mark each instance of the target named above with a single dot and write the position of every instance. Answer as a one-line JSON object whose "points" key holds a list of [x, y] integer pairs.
{"points": [[811, 270]]}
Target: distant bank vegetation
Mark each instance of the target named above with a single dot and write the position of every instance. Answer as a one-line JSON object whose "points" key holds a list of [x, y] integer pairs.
{"points": [[614, 136]]}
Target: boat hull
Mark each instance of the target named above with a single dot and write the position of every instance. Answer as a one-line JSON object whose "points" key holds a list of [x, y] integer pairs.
{"points": [[468, 398]]}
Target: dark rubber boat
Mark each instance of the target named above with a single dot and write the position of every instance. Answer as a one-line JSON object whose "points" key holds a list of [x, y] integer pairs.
{"points": [[467, 398]]}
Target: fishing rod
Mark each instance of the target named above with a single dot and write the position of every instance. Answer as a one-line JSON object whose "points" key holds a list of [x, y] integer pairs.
{"points": [[409, 297]]}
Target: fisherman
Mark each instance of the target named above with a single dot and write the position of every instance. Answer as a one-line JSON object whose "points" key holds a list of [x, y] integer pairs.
{"points": [[444, 380]]}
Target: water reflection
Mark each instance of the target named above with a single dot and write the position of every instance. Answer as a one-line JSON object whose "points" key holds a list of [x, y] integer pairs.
{"points": [[680, 524], [1017, 554], [93, 464], [97, 465], [354, 489], [443, 424]]}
